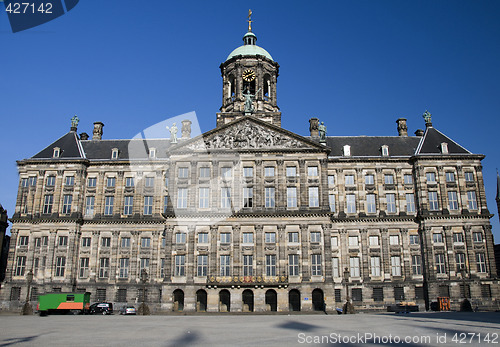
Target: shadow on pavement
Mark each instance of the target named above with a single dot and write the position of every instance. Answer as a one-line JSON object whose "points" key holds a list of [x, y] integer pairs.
{"points": [[14, 341], [185, 340], [298, 326]]}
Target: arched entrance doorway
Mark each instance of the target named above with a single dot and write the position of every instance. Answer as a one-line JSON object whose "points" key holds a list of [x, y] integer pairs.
{"points": [[318, 300], [247, 301], [224, 301], [272, 300], [294, 300], [201, 300], [178, 300]]}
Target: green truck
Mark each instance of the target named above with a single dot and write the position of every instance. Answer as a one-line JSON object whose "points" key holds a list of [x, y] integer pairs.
{"points": [[63, 303]]}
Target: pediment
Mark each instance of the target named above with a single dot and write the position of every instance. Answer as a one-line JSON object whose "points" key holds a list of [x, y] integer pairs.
{"points": [[249, 134]]}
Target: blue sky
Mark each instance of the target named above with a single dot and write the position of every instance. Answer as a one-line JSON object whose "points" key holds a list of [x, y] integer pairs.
{"points": [[356, 65]]}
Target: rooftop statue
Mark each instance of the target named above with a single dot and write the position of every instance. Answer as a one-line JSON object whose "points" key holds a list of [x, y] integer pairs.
{"points": [[249, 98], [173, 133], [74, 121], [322, 132]]}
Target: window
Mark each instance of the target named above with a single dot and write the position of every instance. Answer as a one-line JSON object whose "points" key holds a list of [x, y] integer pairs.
{"points": [[202, 269], [225, 265], [331, 180], [373, 241], [163, 267], [204, 198], [450, 177], [269, 171], [63, 241], [226, 172], [129, 182], [357, 294], [183, 172], [481, 262], [270, 265], [485, 291], [32, 181], [127, 205], [375, 266], [469, 176], [335, 267], [225, 196], [369, 179], [431, 177], [60, 265], [312, 171], [86, 241], [149, 182], [414, 239], [460, 261], [247, 265], [293, 237], [125, 242], [388, 179], [91, 182], [458, 237], [391, 203], [152, 153], [108, 205], [204, 172], [396, 266], [354, 266], [293, 264], [315, 236], [270, 202], [110, 182], [437, 238], [378, 294], [165, 203], [399, 293], [69, 181], [143, 265], [148, 205], [15, 293], [23, 240], [353, 241], [103, 268], [291, 171], [51, 181], [123, 272], [182, 198], [121, 295], [145, 242], [385, 150], [471, 199], [47, 203], [45, 240], [248, 171], [247, 197], [225, 237], [371, 206], [477, 237], [106, 242], [89, 206], [416, 264], [24, 182], [440, 264], [38, 242], [410, 203], [202, 237], [408, 179], [394, 240], [114, 153], [180, 265], [20, 265], [351, 203], [84, 268], [316, 265], [453, 200], [270, 237], [247, 237], [180, 237], [331, 202], [291, 197], [347, 151], [433, 201], [349, 180]]}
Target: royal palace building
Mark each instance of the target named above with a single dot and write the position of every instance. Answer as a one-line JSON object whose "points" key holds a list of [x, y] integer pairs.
{"points": [[252, 217]]}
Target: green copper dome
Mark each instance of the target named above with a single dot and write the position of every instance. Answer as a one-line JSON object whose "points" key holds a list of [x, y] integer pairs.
{"points": [[249, 48]]}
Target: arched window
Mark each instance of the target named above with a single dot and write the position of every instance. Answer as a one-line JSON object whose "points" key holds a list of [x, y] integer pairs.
{"points": [[267, 87], [232, 88]]}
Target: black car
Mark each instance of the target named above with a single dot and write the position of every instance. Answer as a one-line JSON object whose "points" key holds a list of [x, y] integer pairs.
{"points": [[101, 308]]}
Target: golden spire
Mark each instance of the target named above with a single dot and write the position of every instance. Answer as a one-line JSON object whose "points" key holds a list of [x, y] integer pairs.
{"points": [[250, 21]]}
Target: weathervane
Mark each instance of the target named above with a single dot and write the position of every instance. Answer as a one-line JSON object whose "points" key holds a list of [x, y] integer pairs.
{"points": [[250, 21]]}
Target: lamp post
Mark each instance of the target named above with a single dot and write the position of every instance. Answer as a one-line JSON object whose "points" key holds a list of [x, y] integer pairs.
{"points": [[144, 309], [465, 305], [27, 309], [348, 307]]}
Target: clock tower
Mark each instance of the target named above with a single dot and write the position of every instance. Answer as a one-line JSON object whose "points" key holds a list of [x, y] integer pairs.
{"points": [[249, 77]]}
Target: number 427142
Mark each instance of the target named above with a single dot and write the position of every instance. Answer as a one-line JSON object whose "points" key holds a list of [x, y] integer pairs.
{"points": [[26, 7]]}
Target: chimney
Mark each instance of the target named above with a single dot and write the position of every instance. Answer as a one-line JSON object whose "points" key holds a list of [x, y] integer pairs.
{"points": [[97, 134], [402, 128], [419, 133], [84, 136], [186, 129], [313, 128]]}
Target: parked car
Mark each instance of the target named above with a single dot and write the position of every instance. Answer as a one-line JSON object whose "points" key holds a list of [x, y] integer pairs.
{"points": [[128, 310], [101, 308]]}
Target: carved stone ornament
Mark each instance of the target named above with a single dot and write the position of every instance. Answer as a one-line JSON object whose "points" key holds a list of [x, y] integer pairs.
{"points": [[246, 135]]}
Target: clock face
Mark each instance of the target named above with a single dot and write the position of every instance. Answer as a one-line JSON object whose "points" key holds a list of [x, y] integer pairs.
{"points": [[249, 75]]}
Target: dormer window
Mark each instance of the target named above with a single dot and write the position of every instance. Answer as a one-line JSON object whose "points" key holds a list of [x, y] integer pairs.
{"points": [[385, 150], [347, 151], [114, 153], [152, 153], [444, 148], [57, 152]]}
